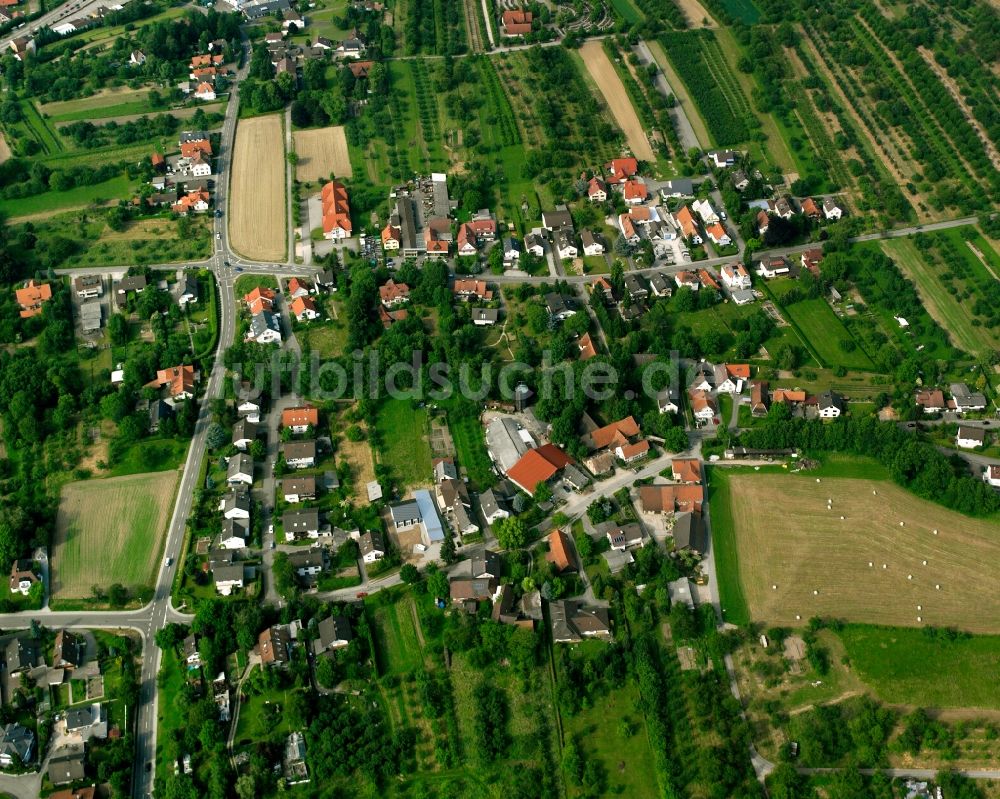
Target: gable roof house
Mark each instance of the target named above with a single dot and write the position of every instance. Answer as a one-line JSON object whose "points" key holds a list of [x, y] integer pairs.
{"points": [[265, 328], [298, 489], [763, 222], [830, 405], [88, 286], [559, 551], [810, 209], [931, 400], [760, 402], [772, 267], [336, 211], [970, 437], [515, 22], [299, 454], [275, 645], [717, 233], [622, 537], [88, 722], [393, 293], [705, 211], [300, 418], [684, 220], [634, 191], [572, 622], [965, 399], [731, 377], [621, 169], [179, 381], [32, 297], [372, 546], [260, 299], [227, 577], [234, 535], [308, 563], [597, 190], [21, 654], [304, 309], [702, 405], [735, 276], [185, 290], [240, 471], [69, 650], [22, 576], [244, 433], [811, 259], [831, 209], [236, 504], [686, 470], [536, 466], [668, 400], [491, 507], [333, 632], [17, 743], [467, 289], [557, 219]]}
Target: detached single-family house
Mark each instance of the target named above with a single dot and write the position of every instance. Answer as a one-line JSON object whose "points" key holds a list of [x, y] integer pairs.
{"points": [[970, 437], [991, 475], [685, 279], [185, 290], [559, 551], [236, 504], [372, 546], [300, 523], [22, 576], [298, 489], [275, 645], [810, 209], [265, 328], [597, 190], [731, 377], [179, 381], [760, 400], [831, 210], [684, 220], [21, 654], [491, 507], [300, 419], [634, 191], [333, 632], [965, 399], [774, 266], [565, 243], [722, 159], [69, 650], [622, 537], [534, 244], [260, 299], [829, 405], [558, 306], [234, 534], [88, 287], [572, 622], [931, 400], [679, 189], [558, 219], [668, 400], [735, 276], [702, 405], [244, 433], [591, 244], [227, 577], [705, 211], [240, 471], [482, 317], [739, 180], [621, 169], [717, 233], [299, 454], [32, 297], [17, 744], [393, 293]]}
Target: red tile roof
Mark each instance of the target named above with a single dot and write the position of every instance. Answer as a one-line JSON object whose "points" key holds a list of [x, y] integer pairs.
{"points": [[302, 304], [178, 379], [587, 349], [468, 286], [31, 297], [685, 219], [616, 432], [393, 291], [558, 554], [336, 210], [635, 189], [260, 299], [537, 466], [686, 470], [669, 498], [623, 168], [298, 417], [189, 148]]}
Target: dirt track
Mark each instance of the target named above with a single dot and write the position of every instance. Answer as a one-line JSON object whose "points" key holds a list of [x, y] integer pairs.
{"points": [[603, 73], [322, 152], [257, 204]]}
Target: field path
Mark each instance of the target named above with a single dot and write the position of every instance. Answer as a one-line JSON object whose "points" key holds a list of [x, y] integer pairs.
{"points": [[257, 207], [603, 72]]}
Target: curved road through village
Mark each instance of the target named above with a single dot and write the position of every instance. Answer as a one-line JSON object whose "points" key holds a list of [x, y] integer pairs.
{"points": [[225, 265]]}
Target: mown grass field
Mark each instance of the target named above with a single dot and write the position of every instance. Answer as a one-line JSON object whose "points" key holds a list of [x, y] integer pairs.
{"points": [[953, 315], [107, 103], [404, 447], [399, 647], [470, 448], [110, 531], [791, 558], [825, 332], [904, 666]]}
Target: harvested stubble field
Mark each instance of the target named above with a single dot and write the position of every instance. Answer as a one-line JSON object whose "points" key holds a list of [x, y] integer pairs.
{"points": [[358, 455], [787, 537], [257, 205], [603, 73], [4, 149], [322, 152], [109, 531]]}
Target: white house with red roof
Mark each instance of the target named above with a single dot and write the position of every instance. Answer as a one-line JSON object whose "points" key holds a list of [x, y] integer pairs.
{"points": [[621, 169]]}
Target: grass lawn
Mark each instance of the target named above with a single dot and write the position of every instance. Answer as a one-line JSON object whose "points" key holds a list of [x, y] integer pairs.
{"points": [[903, 666], [825, 332], [327, 337], [247, 283], [872, 556], [470, 445], [628, 762], [151, 455], [114, 189], [109, 531], [249, 727], [396, 633], [727, 559], [404, 449], [169, 682]]}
